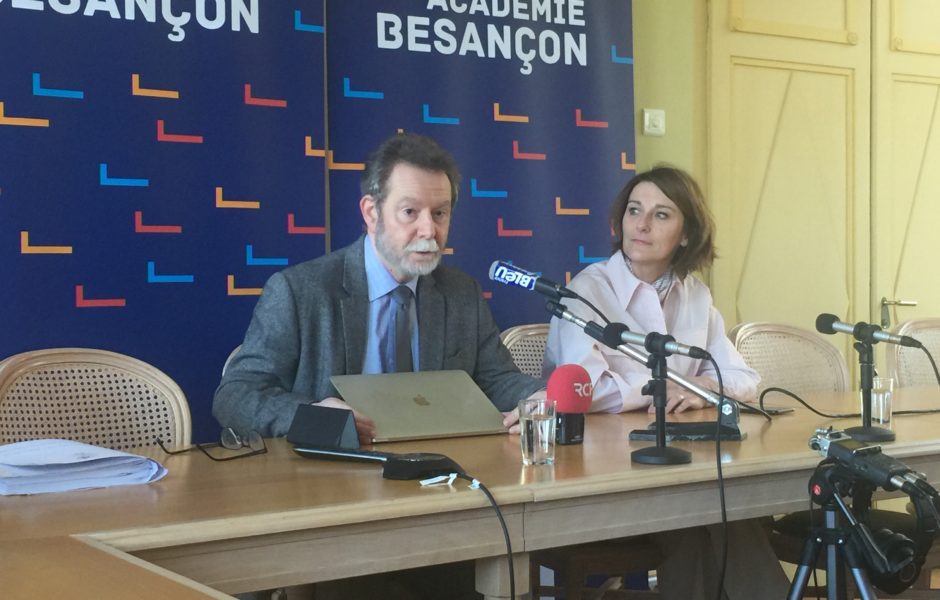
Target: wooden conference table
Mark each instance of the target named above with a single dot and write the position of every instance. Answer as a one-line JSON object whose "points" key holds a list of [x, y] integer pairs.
{"points": [[267, 521]]}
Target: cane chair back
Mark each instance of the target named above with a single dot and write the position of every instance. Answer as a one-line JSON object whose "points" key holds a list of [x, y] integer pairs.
{"points": [[910, 366], [526, 344], [92, 396], [795, 359], [231, 355]]}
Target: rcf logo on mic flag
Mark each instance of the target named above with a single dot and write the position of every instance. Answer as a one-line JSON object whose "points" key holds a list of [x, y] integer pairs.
{"points": [[585, 390], [569, 386]]}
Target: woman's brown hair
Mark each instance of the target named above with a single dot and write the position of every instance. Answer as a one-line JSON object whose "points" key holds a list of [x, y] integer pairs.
{"points": [[699, 227]]}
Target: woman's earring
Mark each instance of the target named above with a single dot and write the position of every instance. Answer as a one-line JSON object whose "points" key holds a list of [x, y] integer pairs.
{"points": [[684, 243]]}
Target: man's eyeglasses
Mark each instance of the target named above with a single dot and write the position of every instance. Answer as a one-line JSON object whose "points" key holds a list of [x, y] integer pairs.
{"points": [[230, 440]]}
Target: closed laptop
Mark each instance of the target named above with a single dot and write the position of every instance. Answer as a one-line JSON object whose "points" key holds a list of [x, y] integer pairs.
{"points": [[421, 405]]}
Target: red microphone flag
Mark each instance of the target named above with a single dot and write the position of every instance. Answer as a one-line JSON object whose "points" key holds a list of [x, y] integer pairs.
{"points": [[570, 387]]}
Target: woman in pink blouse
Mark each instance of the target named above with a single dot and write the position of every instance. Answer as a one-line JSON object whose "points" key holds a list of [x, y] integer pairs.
{"points": [[663, 233]]}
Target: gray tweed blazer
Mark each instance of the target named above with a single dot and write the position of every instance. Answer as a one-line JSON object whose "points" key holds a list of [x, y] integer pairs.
{"points": [[310, 323]]}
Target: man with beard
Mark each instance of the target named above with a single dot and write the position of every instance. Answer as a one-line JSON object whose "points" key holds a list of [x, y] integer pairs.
{"points": [[332, 315]]}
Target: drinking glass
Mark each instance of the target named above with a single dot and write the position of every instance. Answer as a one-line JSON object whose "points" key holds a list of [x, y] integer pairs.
{"points": [[537, 431]]}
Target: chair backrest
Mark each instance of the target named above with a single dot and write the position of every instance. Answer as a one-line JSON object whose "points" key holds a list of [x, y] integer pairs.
{"points": [[92, 396], [795, 359], [526, 343], [231, 355], [910, 366]]}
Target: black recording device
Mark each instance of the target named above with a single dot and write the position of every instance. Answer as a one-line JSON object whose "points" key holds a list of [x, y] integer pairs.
{"points": [[865, 461], [854, 469]]}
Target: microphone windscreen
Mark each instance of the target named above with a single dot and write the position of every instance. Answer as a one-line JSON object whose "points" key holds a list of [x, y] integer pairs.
{"points": [[824, 323], [569, 386]]}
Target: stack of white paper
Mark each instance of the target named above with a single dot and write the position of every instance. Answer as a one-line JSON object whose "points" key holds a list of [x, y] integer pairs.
{"points": [[41, 466]]}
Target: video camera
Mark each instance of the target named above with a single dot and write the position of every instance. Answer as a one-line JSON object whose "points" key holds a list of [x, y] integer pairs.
{"points": [[855, 470]]}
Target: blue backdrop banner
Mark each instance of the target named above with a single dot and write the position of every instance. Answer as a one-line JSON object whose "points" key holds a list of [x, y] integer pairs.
{"points": [[162, 158]]}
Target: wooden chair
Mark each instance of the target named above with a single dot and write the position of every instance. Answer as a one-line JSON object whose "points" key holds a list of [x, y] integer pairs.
{"points": [[795, 359], [910, 366], [92, 396], [526, 344]]}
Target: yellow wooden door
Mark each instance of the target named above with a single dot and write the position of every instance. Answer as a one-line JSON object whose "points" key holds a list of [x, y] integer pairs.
{"points": [[788, 160], [906, 158]]}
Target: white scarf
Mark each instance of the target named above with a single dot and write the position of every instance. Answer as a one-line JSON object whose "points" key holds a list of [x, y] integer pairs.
{"points": [[662, 284]]}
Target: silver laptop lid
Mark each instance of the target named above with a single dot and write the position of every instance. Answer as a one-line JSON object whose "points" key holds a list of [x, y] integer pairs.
{"points": [[422, 405]]}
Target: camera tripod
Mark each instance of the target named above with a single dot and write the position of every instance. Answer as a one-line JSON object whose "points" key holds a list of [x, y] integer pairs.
{"points": [[847, 541], [841, 548]]}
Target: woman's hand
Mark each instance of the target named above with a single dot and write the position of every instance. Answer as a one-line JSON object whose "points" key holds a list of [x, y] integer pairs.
{"points": [[678, 399]]}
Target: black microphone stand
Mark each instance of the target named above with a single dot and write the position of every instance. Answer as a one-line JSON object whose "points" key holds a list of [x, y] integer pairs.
{"points": [[660, 454], [866, 432]]}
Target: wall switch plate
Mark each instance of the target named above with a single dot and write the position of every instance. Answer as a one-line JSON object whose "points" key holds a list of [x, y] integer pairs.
{"points": [[654, 121]]}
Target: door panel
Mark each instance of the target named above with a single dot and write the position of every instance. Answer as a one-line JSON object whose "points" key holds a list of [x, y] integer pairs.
{"points": [[788, 160], [906, 158]]}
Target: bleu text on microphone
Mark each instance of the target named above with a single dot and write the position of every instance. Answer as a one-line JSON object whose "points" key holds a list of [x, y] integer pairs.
{"points": [[508, 274]]}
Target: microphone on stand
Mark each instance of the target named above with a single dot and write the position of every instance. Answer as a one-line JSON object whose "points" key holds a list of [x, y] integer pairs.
{"points": [[866, 335], [863, 332], [602, 335], [569, 386], [618, 333], [728, 412]]}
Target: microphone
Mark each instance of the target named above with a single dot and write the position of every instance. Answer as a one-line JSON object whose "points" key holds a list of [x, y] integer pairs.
{"points": [[569, 386], [598, 333], [863, 332], [728, 413], [617, 333], [508, 274]]}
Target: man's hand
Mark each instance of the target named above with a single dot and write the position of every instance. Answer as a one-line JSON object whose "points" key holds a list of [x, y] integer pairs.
{"points": [[511, 418], [365, 427], [678, 399]]}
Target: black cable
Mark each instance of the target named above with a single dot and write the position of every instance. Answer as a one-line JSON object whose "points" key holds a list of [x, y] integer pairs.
{"points": [[604, 317], [721, 484], [925, 411], [502, 523], [804, 403], [750, 408]]}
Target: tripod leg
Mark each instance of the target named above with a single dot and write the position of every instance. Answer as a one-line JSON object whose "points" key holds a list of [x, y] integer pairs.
{"points": [[865, 591], [835, 546], [857, 569], [805, 568]]}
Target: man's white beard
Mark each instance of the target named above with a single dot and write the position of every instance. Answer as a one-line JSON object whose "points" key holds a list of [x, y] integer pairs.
{"points": [[399, 260]]}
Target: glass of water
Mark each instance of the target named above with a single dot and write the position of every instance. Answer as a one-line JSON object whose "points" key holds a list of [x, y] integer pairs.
{"points": [[882, 389], [537, 431]]}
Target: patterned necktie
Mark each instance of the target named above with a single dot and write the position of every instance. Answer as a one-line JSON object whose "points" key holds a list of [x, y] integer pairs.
{"points": [[402, 297]]}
